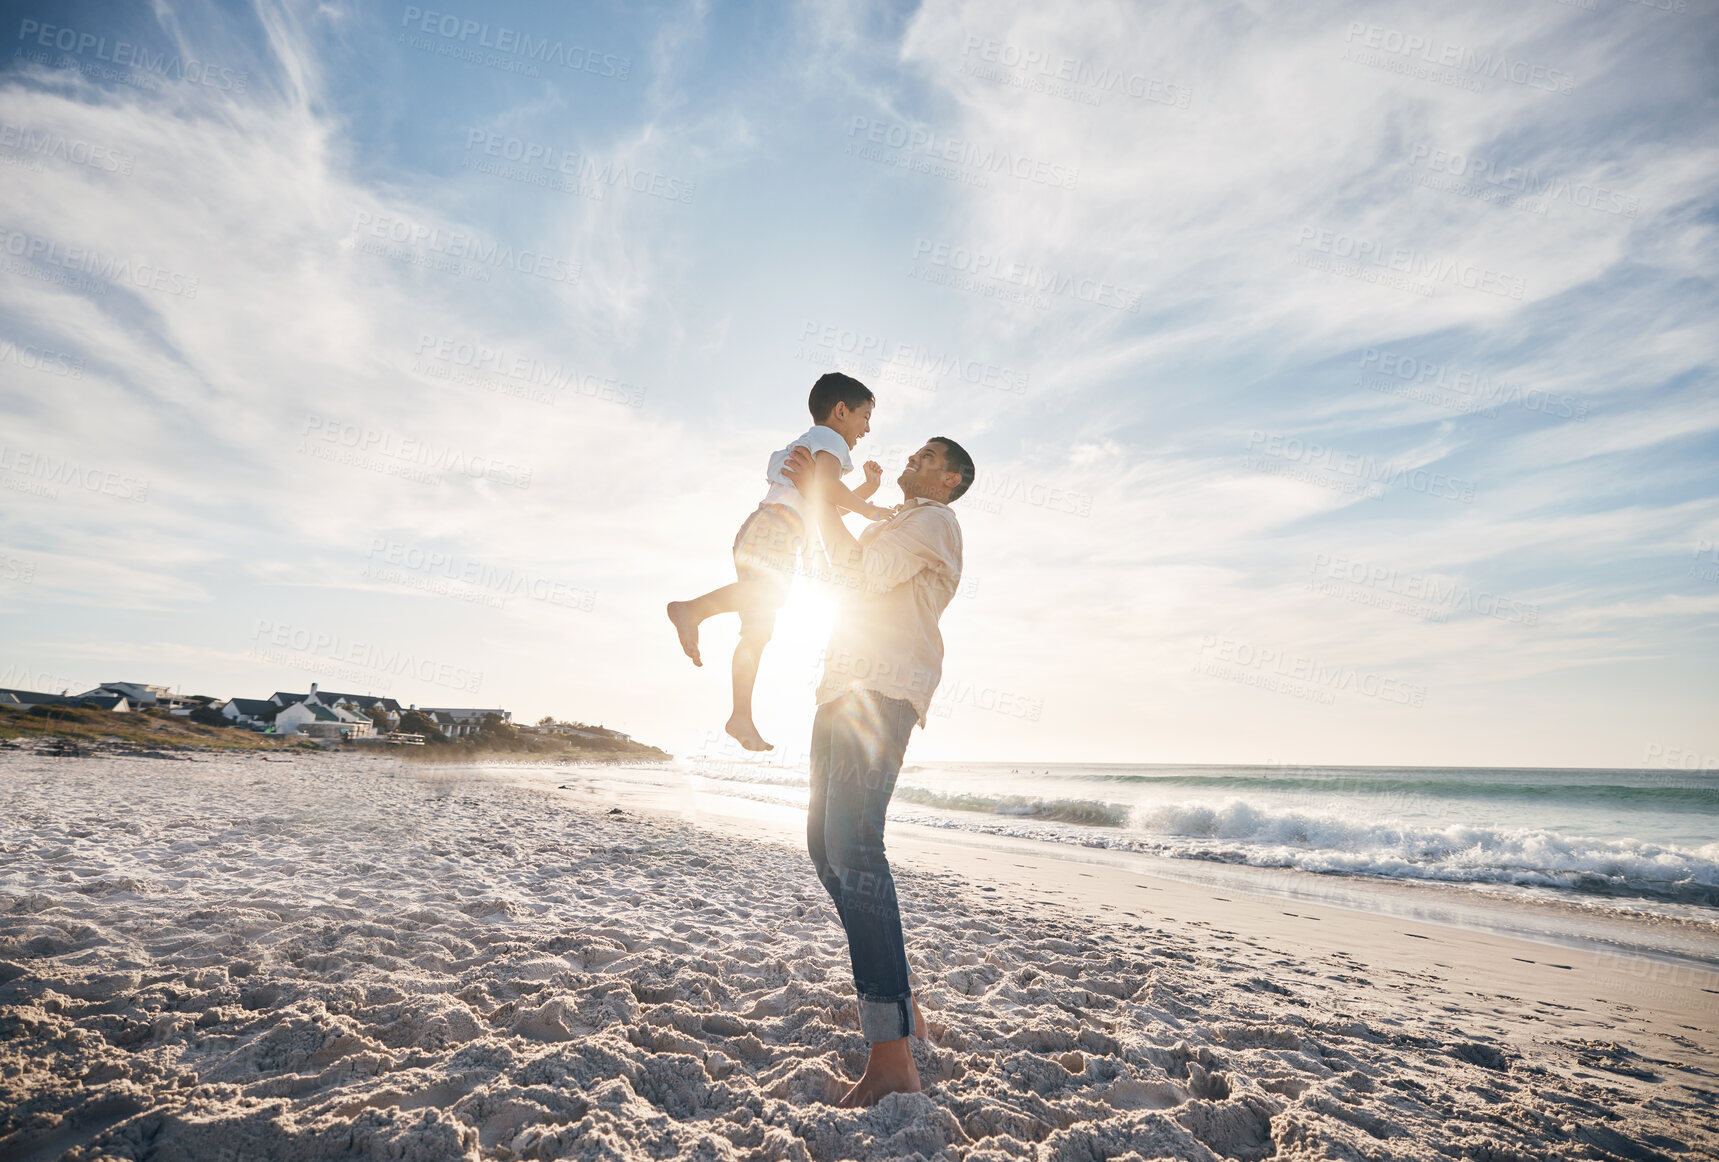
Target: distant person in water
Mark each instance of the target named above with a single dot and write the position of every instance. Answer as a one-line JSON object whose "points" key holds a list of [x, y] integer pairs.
{"points": [[768, 546], [883, 663]]}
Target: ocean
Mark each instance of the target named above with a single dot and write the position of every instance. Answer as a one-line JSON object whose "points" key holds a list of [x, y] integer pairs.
{"points": [[1638, 839]]}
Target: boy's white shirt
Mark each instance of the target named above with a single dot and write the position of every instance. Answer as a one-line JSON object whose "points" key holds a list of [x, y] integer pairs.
{"points": [[817, 439]]}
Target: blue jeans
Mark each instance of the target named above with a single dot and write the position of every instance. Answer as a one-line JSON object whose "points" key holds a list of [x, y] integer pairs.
{"points": [[858, 742]]}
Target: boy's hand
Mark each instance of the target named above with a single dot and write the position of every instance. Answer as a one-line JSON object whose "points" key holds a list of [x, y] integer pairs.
{"points": [[873, 473]]}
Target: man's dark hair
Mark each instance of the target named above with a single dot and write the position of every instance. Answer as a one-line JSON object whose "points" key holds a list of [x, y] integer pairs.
{"points": [[833, 388], [955, 459]]}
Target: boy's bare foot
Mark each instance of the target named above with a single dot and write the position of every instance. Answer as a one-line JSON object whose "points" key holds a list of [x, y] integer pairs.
{"points": [[686, 625], [743, 732], [888, 1070]]}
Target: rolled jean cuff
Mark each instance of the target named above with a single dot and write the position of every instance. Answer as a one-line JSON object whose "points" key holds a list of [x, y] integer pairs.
{"points": [[886, 1020]]}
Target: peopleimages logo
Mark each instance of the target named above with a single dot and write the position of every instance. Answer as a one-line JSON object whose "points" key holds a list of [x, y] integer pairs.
{"points": [[915, 356], [1430, 51], [479, 576], [44, 359], [481, 359], [1268, 661], [108, 269], [992, 489], [58, 146], [426, 455], [1445, 597], [128, 55], [1676, 758], [459, 245], [1037, 281], [556, 161], [17, 569], [540, 50], [1415, 264], [319, 651], [31, 466], [1365, 470], [1064, 76], [1475, 174], [988, 161], [1486, 392]]}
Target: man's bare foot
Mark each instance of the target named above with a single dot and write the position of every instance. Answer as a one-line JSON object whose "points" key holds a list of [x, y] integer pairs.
{"points": [[888, 1070], [742, 731], [686, 625]]}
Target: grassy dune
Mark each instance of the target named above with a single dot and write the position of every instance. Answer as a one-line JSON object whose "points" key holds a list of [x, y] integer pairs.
{"points": [[521, 747], [103, 729]]}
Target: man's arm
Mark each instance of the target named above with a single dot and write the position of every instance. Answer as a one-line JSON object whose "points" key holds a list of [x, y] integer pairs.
{"points": [[891, 559], [800, 468]]}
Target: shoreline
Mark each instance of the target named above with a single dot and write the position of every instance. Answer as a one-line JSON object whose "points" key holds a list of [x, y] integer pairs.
{"points": [[1582, 923], [1625, 957], [1643, 845], [365, 958]]}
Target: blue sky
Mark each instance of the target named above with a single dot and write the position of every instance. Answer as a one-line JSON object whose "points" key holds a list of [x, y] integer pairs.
{"points": [[1340, 378]]}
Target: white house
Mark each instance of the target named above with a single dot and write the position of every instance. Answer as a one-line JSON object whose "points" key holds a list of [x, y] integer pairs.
{"points": [[358, 703], [450, 726], [457, 721], [309, 716], [367, 705], [136, 694], [252, 712]]}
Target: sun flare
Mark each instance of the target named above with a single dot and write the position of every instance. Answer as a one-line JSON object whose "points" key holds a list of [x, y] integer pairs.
{"points": [[793, 664]]}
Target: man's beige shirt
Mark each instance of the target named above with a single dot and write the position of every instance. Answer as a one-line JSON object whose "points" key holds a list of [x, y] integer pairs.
{"points": [[886, 637]]}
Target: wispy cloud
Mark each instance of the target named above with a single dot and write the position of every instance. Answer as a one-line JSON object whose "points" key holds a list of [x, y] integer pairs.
{"points": [[399, 294]]}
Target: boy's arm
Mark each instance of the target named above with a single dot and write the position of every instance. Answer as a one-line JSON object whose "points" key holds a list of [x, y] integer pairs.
{"points": [[873, 478], [892, 559], [829, 471]]}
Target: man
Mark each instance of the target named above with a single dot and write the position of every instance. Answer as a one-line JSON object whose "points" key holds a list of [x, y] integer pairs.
{"points": [[884, 660]]}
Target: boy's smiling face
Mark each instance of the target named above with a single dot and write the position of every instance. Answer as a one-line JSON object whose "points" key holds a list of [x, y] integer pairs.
{"points": [[851, 423]]}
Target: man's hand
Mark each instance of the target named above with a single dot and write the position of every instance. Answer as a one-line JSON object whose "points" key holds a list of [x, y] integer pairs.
{"points": [[873, 473], [799, 471]]}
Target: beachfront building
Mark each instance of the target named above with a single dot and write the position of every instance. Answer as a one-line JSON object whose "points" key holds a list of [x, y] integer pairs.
{"points": [[27, 698], [369, 705], [358, 703], [310, 715], [255, 713], [318, 721], [458, 721], [137, 694], [142, 696]]}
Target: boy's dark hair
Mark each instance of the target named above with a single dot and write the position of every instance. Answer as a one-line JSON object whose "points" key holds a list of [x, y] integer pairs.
{"points": [[956, 459], [833, 388]]}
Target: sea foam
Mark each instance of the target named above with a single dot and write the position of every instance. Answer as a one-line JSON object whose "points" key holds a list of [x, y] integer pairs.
{"points": [[1328, 840]]}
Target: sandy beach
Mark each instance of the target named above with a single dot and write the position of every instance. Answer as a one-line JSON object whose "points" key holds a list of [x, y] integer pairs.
{"points": [[336, 957]]}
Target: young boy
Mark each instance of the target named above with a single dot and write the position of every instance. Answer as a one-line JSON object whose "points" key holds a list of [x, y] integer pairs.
{"points": [[771, 539]]}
